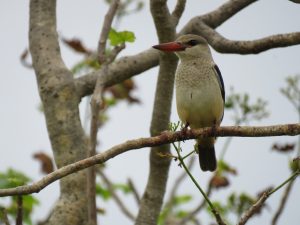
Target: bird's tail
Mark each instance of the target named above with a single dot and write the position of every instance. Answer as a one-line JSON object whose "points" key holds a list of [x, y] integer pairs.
{"points": [[207, 156]]}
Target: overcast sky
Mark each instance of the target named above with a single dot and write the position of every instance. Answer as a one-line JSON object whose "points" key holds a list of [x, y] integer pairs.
{"points": [[23, 130]]}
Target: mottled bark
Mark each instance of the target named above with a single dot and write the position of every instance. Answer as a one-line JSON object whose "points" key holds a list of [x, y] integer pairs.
{"points": [[118, 71], [60, 101], [152, 199]]}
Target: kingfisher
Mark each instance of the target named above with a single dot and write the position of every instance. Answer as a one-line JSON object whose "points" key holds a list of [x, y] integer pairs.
{"points": [[200, 92]]}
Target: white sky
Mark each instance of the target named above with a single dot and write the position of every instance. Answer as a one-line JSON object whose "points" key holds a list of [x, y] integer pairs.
{"points": [[23, 129]]}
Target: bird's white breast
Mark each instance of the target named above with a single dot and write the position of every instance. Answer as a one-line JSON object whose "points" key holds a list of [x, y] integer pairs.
{"points": [[198, 96]]}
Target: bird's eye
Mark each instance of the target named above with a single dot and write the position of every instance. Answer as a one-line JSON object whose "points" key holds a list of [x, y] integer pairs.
{"points": [[192, 42]]}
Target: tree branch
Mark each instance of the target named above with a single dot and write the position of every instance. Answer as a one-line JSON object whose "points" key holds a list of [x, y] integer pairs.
{"points": [[195, 211], [257, 206], [60, 102], [164, 138], [283, 202], [133, 65], [3, 216], [19, 216], [152, 199], [134, 191], [115, 196], [215, 212], [118, 71], [220, 15], [223, 45], [177, 183], [105, 30], [179, 9], [96, 103], [253, 209]]}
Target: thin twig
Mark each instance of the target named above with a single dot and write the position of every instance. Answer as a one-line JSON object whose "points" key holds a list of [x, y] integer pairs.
{"points": [[134, 191], [164, 138], [257, 206], [178, 181], [116, 50], [253, 209], [115, 196], [187, 155], [193, 213], [283, 202], [19, 218], [3, 216], [291, 178], [105, 30], [213, 209], [91, 177], [96, 102]]}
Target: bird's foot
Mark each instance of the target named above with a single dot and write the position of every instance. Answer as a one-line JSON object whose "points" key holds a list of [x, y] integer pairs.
{"points": [[184, 130], [214, 129]]}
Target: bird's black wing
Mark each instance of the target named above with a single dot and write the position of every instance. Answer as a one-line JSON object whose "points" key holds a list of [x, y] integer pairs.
{"points": [[220, 80]]}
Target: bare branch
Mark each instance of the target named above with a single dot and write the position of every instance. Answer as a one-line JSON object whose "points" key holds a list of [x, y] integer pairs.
{"points": [[19, 217], [118, 71], [218, 16], [283, 202], [179, 8], [213, 209], [295, 1], [134, 65], [96, 103], [194, 212], [223, 45], [105, 30], [253, 209], [114, 53], [163, 138], [257, 206], [152, 199], [115, 196], [135, 192], [3, 216], [178, 181]]}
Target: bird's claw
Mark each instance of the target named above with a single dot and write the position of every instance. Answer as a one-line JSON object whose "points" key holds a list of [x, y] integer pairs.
{"points": [[184, 130]]}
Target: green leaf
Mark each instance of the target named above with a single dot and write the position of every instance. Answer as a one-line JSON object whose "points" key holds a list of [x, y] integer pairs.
{"points": [[294, 165], [182, 199], [123, 187], [13, 178], [117, 38], [29, 202], [221, 208], [102, 192], [182, 213]]}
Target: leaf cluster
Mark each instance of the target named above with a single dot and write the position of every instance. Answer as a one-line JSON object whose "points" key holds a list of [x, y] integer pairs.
{"points": [[13, 178], [244, 110]]}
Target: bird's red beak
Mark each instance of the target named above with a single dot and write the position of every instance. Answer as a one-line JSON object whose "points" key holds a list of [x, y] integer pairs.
{"points": [[170, 47]]}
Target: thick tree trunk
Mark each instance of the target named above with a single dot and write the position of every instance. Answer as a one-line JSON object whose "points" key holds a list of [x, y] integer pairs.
{"points": [[60, 103]]}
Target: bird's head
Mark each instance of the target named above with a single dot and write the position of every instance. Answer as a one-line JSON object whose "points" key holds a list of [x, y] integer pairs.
{"points": [[186, 46]]}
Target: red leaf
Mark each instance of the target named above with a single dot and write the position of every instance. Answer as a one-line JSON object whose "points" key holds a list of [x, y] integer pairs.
{"points": [[76, 45], [45, 161]]}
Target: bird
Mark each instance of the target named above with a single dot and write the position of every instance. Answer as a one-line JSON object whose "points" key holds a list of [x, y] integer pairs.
{"points": [[200, 91]]}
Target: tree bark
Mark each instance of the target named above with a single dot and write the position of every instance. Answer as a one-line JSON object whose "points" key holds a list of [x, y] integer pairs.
{"points": [[60, 101], [152, 199]]}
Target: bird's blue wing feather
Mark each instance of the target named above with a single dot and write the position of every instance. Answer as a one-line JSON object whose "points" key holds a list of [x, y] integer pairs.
{"points": [[220, 80], [221, 83]]}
